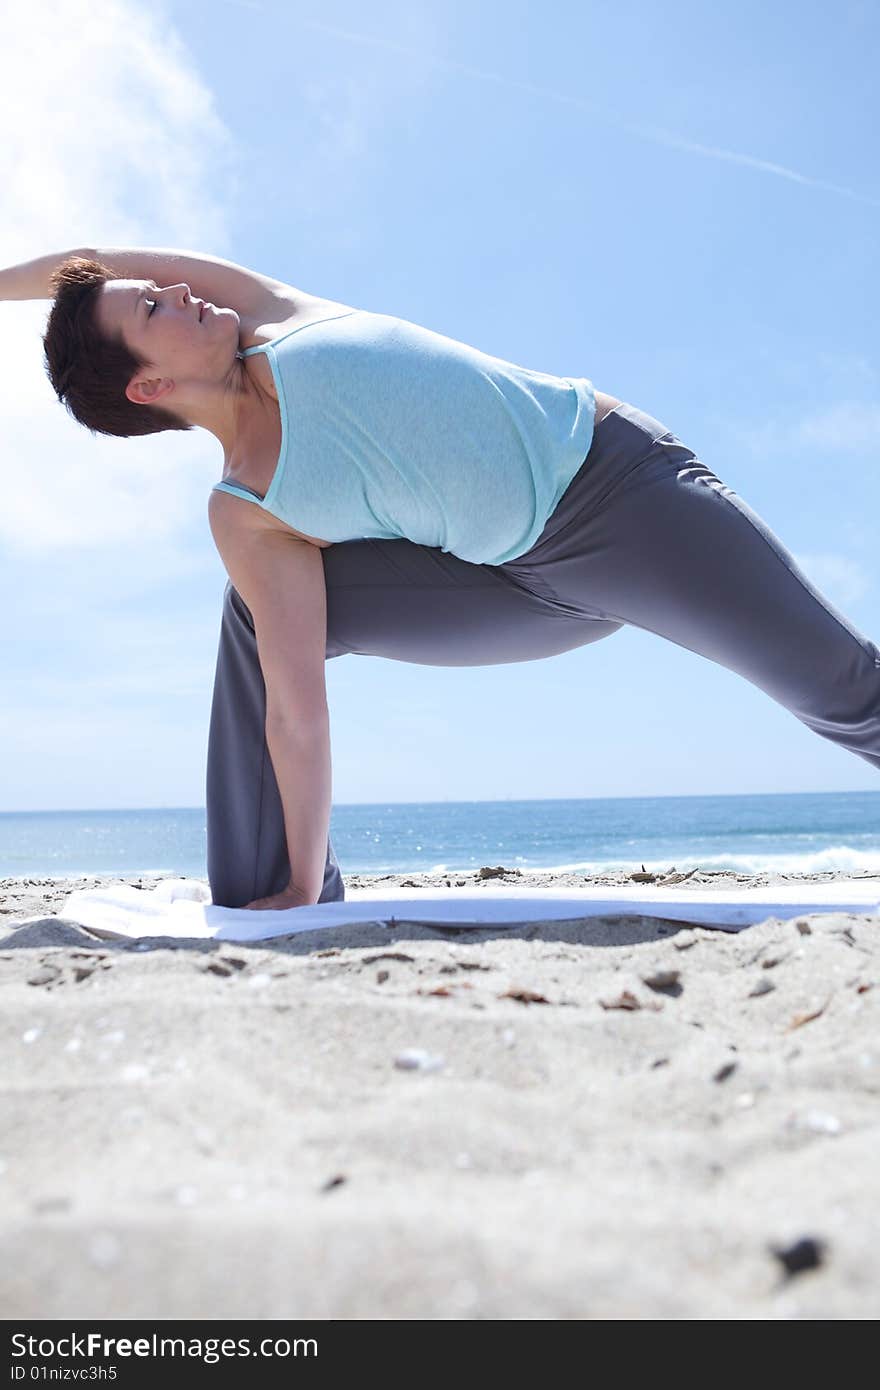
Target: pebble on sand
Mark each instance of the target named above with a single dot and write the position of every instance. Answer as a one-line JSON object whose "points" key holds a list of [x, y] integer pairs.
{"points": [[415, 1059]]}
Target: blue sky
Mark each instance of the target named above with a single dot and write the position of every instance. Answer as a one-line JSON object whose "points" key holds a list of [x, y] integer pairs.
{"points": [[680, 202]]}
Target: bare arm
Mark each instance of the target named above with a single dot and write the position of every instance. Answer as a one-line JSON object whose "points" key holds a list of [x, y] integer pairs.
{"points": [[302, 762], [281, 579], [256, 298], [30, 279]]}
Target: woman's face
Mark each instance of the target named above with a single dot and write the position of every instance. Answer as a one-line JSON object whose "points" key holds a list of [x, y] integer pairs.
{"points": [[182, 338]]}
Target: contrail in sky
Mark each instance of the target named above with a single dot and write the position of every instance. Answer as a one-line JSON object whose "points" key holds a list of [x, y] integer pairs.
{"points": [[660, 137], [645, 132]]}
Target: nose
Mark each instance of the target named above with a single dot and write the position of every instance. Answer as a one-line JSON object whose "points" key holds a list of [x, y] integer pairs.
{"points": [[181, 293]]}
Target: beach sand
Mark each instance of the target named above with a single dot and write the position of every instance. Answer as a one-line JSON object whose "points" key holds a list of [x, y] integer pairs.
{"points": [[616, 1118]]}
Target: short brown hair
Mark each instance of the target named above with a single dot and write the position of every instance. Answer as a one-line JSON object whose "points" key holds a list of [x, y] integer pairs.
{"points": [[88, 369]]}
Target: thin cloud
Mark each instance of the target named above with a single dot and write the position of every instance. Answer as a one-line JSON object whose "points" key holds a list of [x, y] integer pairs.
{"points": [[645, 132], [841, 579], [843, 426], [122, 136], [106, 560]]}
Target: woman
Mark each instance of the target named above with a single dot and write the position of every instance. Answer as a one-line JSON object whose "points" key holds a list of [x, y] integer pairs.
{"points": [[352, 424]]}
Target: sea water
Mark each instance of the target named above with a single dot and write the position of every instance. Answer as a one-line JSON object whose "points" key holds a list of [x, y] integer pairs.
{"points": [[791, 833]]}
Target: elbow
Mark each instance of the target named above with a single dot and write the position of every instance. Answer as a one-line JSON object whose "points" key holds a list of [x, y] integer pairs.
{"points": [[308, 721]]}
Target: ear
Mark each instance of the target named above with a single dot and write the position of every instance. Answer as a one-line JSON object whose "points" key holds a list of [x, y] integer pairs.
{"points": [[148, 390]]}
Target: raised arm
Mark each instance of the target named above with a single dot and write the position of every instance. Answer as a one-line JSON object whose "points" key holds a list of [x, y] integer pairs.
{"points": [[256, 298], [281, 580], [30, 279]]}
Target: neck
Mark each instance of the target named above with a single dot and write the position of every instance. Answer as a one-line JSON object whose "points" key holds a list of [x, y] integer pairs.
{"points": [[230, 413]]}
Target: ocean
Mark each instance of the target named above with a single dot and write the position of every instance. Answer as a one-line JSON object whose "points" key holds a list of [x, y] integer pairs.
{"points": [[791, 833]]}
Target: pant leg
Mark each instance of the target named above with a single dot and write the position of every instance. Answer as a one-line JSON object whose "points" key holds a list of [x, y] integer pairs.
{"points": [[384, 598], [652, 537], [246, 845], [412, 603]]}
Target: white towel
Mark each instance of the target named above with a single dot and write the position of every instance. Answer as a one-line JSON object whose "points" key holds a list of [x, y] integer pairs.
{"points": [[183, 908]]}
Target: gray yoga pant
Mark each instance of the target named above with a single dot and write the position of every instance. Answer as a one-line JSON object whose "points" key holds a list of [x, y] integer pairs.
{"points": [[645, 535]]}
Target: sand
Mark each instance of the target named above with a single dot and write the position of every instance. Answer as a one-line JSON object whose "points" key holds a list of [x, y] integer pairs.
{"points": [[620, 1118]]}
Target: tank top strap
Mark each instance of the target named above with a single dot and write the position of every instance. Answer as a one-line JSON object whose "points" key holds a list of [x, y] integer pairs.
{"points": [[238, 490]]}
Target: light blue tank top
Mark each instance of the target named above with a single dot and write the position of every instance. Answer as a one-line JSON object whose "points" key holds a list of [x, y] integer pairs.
{"points": [[392, 431]]}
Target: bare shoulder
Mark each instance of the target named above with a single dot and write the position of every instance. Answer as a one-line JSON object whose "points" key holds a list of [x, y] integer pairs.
{"points": [[238, 523], [239, 518], [294, 309], [267, 565]]}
